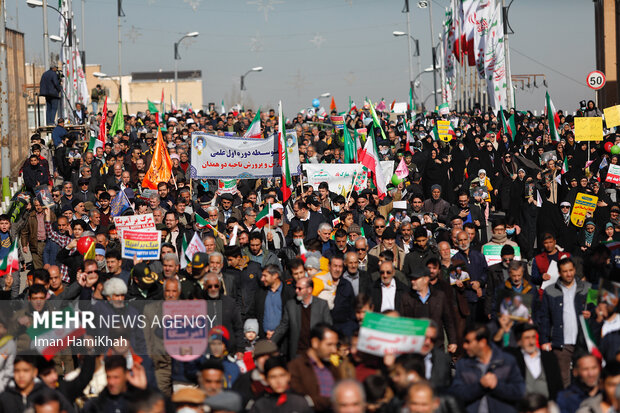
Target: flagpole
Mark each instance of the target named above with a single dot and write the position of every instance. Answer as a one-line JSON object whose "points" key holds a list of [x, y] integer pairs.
{"points": [[346, 204]]}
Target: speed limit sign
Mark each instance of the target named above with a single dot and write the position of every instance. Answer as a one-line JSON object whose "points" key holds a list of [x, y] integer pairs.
{"points": [[596, 80]]}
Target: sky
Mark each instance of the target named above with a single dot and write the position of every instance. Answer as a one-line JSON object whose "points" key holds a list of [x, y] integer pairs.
{"points": [[344, 47]]}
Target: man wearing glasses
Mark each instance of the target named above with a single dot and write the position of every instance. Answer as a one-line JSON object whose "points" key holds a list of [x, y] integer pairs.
{"points": [[299, 317]]}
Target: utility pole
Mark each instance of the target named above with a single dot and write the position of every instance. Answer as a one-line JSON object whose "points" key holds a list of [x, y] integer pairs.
{"points": [[4, 106], [46, 39], [509, 92], [411, 82], [430, 15], [120, 14], [83, 41]]}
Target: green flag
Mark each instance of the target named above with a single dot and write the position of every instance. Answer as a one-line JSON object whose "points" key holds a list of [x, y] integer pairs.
{"points": [[376, 120], [152, 107], [349, 146], [119, 120]]}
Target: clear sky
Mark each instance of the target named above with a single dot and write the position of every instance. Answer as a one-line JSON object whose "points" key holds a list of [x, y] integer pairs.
{"points": [[344, 47]]}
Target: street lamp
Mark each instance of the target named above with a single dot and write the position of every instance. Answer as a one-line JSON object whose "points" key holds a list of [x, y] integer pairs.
{"points": [[242, 83], [424, 4], [177, 57], [324, 95]]}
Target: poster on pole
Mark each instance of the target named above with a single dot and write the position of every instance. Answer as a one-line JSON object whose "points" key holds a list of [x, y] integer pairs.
{"points": [[380, 334], [443, 130], [229, 157], [612, 116], [613, 174], [588, 129], [141, 244], [339, 177], [583, 208], [292, 146], [226, 186]]}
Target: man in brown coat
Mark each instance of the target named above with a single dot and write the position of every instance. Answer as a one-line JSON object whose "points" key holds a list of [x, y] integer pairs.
{"points": [[33, 234], [312, 373]]}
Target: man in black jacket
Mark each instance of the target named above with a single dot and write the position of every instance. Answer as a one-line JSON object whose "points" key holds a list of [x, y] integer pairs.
{"points": [[25, 387], [50, 88], [35, 174], [121, 387], [538, 368], [387, 291], [306, 219]]}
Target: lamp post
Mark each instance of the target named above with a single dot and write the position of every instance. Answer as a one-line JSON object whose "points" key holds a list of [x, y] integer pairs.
{"points": [[177, 57], [424, 4], [411, 39], [324, 95], [242, 83]]}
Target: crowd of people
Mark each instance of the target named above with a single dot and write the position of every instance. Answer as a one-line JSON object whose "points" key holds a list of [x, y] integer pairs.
{"points": [[478, 239]]}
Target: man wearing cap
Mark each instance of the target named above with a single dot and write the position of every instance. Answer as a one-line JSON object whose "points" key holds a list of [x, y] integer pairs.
{"points": [[388, 242], [145, 284], [497, 276], [226, 209], [84, 193], [252, 384], [35, 174], [79, 210], [422, 301], [50, 88], [436, 204], [189, 400]]}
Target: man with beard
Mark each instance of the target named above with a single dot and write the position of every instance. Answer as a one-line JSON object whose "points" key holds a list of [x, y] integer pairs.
{"points": [[586, 375], [477, 268], [312, 373], [230, 316], [299, 317]]}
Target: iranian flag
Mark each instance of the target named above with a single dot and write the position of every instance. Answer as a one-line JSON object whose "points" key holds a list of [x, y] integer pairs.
{"points": [[253, 131], [302, 251], [370, 159], [553, 118], [10, 263], [190, 248], [352, 106], [469, 27], [99, 140], [410, 138], [592, 348], [443, 109], [509, 126], [173, 106], [265, 217], [49, 341], [564, 166], [287, 180], [376, 120]]}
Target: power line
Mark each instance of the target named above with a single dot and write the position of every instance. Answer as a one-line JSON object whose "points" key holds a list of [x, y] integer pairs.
{"points": [[546, 66]]}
